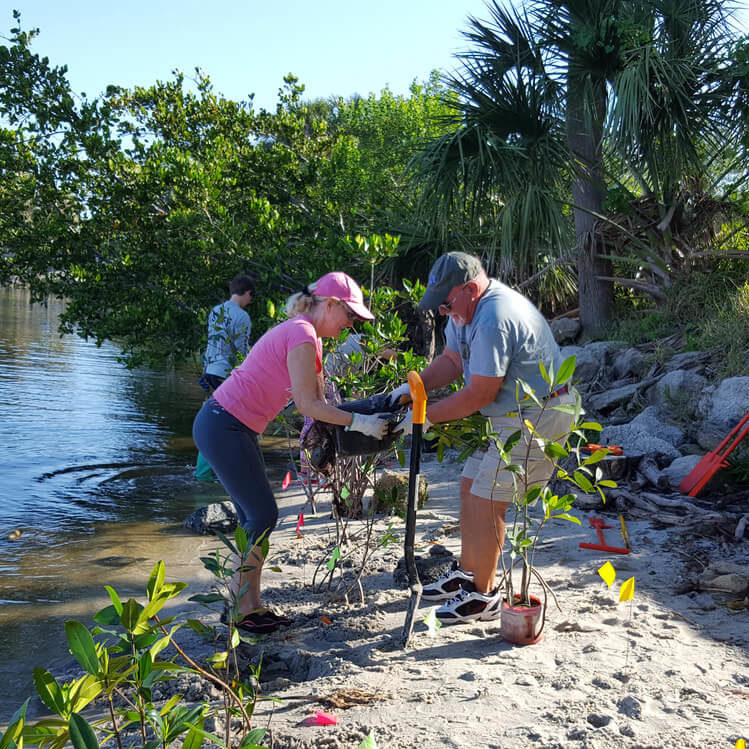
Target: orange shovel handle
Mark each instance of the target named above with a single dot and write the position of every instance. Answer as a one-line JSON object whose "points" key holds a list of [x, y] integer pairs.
{"points": [[418, 397]]}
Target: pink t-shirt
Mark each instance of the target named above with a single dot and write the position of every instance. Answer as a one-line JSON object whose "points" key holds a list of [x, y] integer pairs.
{"points": [[260, 387]]}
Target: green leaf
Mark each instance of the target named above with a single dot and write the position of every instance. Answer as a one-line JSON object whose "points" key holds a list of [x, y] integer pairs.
{"points": [[592, 425], [566, 408], [82, 736], [240, 538], [544, 373], [130, 614], [12, 738], [554, 450], [194, 739], [234, 638], [596, 457], [206, 598], [156, 580], [608, 483], [334, 557], [566, 516], [218, 659], [115, 599], [49, 690], [108, 616], [566, 370], [582, 481], [82, 646], [253, 738]]}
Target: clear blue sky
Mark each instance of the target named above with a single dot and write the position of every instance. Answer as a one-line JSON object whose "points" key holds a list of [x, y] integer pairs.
{"points": [[247, 46], [337, 47]]}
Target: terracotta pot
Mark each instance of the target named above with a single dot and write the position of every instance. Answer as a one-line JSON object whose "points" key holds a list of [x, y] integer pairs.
{"points": [[522, 625]]}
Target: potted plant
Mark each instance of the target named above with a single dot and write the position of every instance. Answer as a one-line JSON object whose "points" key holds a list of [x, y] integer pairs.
{"points": [[534, 505]]}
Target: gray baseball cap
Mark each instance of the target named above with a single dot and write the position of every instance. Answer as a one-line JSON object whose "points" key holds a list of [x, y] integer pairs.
{"points": [[449, 270]]}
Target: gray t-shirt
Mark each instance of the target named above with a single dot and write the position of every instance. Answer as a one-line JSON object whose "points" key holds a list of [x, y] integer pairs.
{"points": [[506, 338], [229, 328]]}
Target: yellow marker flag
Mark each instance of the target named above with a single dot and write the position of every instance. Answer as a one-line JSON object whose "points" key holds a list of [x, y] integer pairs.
{"points": [[740, 744], [608, 573], [627, 591]]}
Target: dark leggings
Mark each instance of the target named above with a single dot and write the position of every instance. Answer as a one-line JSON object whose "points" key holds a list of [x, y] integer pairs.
{"points": [[233, 451]]}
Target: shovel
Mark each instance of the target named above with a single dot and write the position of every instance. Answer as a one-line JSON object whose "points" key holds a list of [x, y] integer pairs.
{"points": [[419, 399]]}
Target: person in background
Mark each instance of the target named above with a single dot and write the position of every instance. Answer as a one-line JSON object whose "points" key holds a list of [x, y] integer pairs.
{"points": [[286, 362], [229, 328], [495, 337]]}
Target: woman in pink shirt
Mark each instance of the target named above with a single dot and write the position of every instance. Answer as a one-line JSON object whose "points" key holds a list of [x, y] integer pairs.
{"points": [[286, 363]]}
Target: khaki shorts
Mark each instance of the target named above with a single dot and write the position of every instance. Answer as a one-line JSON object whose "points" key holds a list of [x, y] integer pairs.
{"points": [[486, 469]]}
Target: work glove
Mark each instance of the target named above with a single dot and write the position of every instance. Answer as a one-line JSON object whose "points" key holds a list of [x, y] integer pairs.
{"points": [[396, 397], [406, 424], [371, 425]]}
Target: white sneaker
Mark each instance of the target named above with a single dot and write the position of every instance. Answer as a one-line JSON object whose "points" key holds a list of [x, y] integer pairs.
{"points": [[447, 585], [471, 606]]}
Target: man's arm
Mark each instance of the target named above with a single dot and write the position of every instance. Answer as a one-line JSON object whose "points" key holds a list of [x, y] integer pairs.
{"points": [[443, 370]]}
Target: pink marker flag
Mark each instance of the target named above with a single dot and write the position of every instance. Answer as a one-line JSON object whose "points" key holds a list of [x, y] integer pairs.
{"points": [[321, 718], [299, 524], [286, 480]]}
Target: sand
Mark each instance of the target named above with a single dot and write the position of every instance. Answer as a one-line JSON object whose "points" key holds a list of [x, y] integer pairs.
{"points": [[662, 670]]}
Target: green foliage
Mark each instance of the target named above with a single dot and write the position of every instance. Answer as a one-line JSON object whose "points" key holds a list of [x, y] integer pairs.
{"points": [[121, 656], [139, 205], [707, 310], [573, 122]]}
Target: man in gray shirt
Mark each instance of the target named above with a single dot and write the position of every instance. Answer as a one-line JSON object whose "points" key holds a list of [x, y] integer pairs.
{"points": [[494, 337], [229, 328]]}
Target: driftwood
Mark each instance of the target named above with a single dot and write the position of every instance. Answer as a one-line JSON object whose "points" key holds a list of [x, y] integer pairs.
{"points": [[649, 469], [678, 510]]}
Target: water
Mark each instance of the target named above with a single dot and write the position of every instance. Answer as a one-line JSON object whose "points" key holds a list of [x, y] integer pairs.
{"points": [[97, 473]]}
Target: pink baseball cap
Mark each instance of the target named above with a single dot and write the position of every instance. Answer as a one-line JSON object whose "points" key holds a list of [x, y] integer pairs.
{"points": [[339, 285]]}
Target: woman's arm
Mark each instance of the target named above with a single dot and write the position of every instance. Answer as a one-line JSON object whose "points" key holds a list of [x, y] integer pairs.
{"points": [[306, 390]]}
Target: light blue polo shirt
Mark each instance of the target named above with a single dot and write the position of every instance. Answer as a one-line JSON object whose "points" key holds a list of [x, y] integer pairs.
{"points": [[506, 338]]}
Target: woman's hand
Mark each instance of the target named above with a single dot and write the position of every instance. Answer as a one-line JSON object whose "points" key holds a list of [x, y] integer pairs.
{"points": [[372, 425]]}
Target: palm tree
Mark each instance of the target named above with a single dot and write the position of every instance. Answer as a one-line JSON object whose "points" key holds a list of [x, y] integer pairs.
{"points": [[547, 101]]}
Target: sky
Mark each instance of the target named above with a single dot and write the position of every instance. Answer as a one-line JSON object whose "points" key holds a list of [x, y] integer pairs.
{"points": [[335, 47]]}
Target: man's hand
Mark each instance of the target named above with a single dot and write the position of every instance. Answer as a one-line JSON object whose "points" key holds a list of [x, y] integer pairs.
{"points": [[371, 425], [396, 398], [406, 424]]}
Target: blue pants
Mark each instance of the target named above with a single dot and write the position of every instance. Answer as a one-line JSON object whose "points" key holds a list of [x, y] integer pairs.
{"points": [[233, 451]]}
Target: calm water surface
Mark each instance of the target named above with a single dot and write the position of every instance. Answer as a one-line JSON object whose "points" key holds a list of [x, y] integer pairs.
{"points": [[97, 473]]}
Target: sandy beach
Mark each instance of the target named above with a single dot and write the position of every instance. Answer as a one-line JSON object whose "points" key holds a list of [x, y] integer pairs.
{"points": [[664, 669]]}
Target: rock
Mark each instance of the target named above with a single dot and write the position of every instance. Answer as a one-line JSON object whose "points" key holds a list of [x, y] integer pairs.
{"points": [[219, 516], [678, 469], [590, 359], [565, 329], [650, 422], [635, 441], [438, 550], [429, 568], [631, 361], [723, 407], [391, 492], [678, 393]]}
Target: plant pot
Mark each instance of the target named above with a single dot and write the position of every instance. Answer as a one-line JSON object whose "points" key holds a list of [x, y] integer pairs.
{"points": [[522, 625]]}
